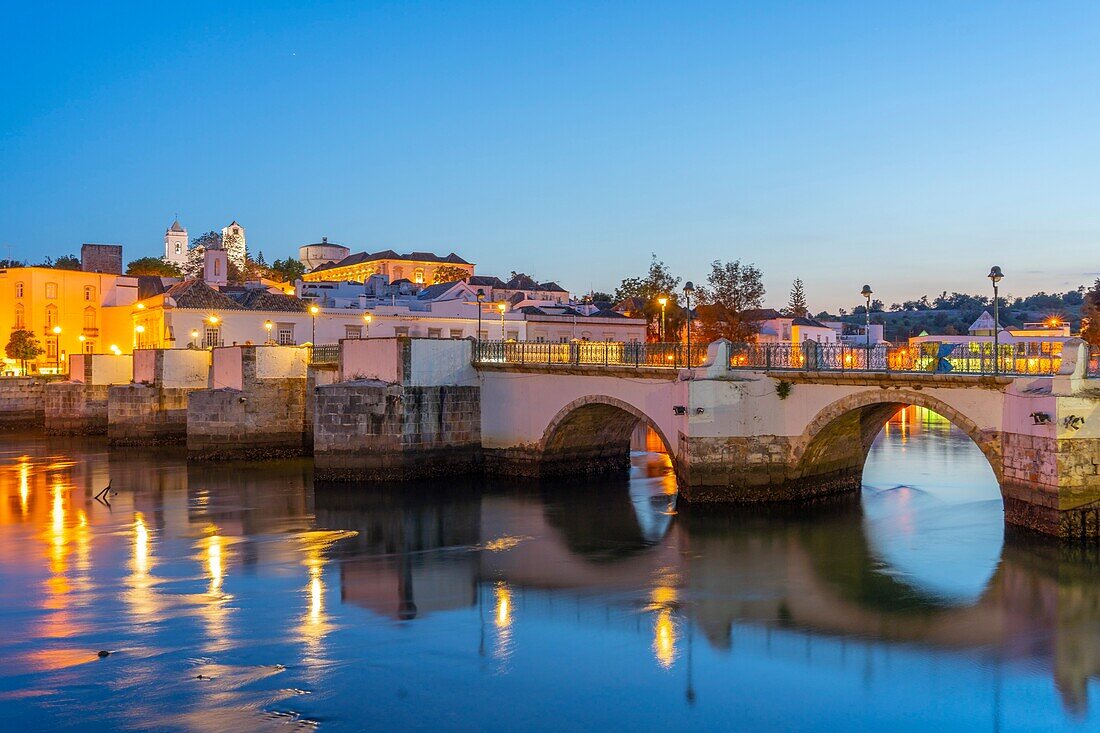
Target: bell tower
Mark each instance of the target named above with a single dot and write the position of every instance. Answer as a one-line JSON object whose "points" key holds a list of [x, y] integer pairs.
{"points": [[175, 244]]}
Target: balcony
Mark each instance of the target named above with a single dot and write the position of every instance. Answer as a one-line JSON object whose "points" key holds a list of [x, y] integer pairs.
{"points": [[90, 332]]}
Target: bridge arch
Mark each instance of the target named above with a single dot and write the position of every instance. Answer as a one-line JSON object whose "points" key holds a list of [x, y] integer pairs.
{"points": [[591, 435], [837, 440]]}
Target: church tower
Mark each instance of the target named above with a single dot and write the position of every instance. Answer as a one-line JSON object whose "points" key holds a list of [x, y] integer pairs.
{"points": [[175, 244], [235, 245]]}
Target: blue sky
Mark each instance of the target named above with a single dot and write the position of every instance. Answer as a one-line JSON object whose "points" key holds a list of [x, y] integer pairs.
{"points": [[907, 145]]}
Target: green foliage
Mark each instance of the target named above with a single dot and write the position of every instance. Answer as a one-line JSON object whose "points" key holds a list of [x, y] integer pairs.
{"points": [[658, 282], [1090, 313], [23, 345], [153, 266], [287, 270], [731, 289], [783, 389], [796, 303], [448, 274], [65, 262]]}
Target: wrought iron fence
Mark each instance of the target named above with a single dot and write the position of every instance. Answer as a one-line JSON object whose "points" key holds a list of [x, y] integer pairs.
{"points": [[324, 354], [933, 358], [598, 353]]}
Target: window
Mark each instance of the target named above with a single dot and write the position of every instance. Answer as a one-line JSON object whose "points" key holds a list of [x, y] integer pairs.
{"points": [[89, 347], [513, 335], [456, 333], [540, 339], [418, 275], [401, 331], [178, 248], [89, 293], [217, 268], [483, 335], [89, 317], [212, 337], [51, 349], [19, 290], [353, 332], [51, 316], [236, 230], [435, 333], [286, 334], [51, 290]]}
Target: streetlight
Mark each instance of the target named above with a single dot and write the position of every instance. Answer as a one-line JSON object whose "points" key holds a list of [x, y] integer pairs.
{"points": [[689, 290], [867, 293], [268, 325], [367, 318], [501, 307], [195, 337], [995, 275], [480, 299], [138, 330], [57, 347], [313, 311], [663, 300]]}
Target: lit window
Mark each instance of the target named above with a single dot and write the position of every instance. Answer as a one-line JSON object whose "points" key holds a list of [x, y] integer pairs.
{"points": [[51, 290], [89, 317], [418, 275], [19, 290]]}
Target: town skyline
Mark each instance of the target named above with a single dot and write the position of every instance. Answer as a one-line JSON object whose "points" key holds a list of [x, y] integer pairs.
{"points": [[711, 133]]}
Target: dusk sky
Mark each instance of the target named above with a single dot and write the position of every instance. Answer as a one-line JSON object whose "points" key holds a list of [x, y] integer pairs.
{"points": [[908, 146]]}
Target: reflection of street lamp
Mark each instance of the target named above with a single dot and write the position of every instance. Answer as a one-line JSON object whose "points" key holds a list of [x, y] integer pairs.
{"points": [[501, 307], [689, 290], [663, 300], [313, 311], [995, 275], [867, 293], [367, 318]]}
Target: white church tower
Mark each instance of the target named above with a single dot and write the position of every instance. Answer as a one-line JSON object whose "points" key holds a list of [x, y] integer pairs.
{"points": [[175, 244], [235, 245]]}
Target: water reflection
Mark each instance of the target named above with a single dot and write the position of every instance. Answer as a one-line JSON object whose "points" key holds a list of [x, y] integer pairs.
{"points": [[237, 597]]}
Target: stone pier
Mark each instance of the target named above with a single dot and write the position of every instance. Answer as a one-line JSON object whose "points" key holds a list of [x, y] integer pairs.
{"points": [[152, 410], [255, 406], [404, 409], [79, 406], [22, 402]]}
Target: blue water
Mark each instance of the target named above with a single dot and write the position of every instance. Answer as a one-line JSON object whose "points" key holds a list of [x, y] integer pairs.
{"points": [[238, 597]]}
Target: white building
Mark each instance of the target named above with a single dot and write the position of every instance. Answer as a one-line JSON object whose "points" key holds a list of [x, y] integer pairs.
{"points": [[235, 243], [175, 244], [1034, 339]]}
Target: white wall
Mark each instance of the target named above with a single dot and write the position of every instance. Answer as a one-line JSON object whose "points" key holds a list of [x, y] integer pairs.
{"points": [[281, 362]]}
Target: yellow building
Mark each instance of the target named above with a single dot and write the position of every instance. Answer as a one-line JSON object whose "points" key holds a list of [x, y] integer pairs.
{"points": [[417, 267], [68, 311]]}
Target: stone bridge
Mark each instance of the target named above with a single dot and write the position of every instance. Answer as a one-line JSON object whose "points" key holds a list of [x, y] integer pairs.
{"points": [[739, 435]]}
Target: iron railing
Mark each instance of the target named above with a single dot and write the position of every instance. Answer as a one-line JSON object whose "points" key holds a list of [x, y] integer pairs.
{"points": [[590, 353], [933, 358], [324, 354]]}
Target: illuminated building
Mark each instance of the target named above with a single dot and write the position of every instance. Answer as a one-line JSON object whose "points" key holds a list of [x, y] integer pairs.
{"points": [[416, 267]]}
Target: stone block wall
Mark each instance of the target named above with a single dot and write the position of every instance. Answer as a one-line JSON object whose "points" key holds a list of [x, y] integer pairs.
{"points": [[73, 408], [1052, 485], [368, 430], [267, 419], [22, 403], [143, 414]]}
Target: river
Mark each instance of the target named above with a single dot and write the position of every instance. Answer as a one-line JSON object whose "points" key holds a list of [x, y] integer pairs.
{"points": [[239, 597]]}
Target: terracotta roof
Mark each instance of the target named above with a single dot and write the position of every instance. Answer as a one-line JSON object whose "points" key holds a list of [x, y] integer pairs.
{"points": [[260, 299], [760, 314], [176, 227], [197, 294], [388, 254]]}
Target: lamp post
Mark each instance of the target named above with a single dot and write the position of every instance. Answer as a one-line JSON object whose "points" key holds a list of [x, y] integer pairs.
{"points": [[268, 325], [81, 338], [138, 330], [995, 276], [867, 293], [663, 300], [195, 337], [689, 290], [313, 311], [480, 300], [501, 307], [57, 348], [367, 318]]}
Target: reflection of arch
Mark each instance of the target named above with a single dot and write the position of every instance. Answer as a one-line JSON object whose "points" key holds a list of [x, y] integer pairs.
{"points": [[838, 438], [593, 433]]}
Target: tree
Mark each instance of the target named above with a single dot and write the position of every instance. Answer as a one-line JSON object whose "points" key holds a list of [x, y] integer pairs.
{"points": [[287, 270], [1090, 310], [235, 250], [449, 274], [658, 282], [796, 304], [153, 266], [598, 296], [23, 345], [197, 253], [731, 289], [67, 262]]}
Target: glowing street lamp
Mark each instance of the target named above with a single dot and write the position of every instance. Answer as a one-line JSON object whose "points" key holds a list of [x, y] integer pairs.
{"points": [[663, 300], [995, 275], [313, 311], [195, 337], [367, 318], [57, 346], [501, 307], [867, 293]]}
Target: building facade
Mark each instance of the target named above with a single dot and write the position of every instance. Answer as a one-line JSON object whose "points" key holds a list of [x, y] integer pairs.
{"points": [[416, 267]]}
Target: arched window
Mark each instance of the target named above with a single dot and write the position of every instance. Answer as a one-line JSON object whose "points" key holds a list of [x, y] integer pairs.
{"points": [[217, 268], [418, 275], [19, 290], [20, 315], [51, 316], [51, 290], [89, 317], [89, 293]]}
